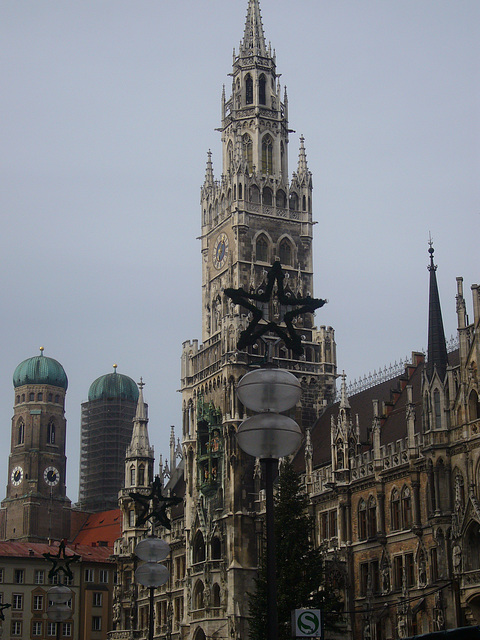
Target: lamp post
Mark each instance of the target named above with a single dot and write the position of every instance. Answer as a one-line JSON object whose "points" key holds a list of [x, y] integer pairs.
{"points": [[268, 435], [59, 611], [151, 574]]}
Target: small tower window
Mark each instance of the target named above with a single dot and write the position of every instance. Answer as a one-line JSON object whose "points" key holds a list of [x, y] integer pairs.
{"points": [[261, 249], [50, 397], [248, 89], [261, 90], [285, 252], [281, 199], [21, 432], [304, 203], [240, 191], [40, 397], [141, 475], [132, 476], [267, 155], [18, 399], [31, 397], [51, 432]]}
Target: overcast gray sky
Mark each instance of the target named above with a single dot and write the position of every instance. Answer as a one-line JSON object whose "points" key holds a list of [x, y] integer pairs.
{"points": [[108, 110]]}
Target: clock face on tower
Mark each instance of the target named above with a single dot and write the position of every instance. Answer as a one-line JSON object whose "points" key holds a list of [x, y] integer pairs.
{"points": [[17, 476], [220, 251], [51, 475]]}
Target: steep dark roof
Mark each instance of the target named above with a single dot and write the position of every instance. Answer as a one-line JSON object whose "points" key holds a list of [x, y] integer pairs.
{"points": [[392, 397]]}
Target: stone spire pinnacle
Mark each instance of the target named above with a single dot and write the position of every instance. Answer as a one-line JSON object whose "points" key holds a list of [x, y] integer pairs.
{"points": [[253, 43], [209, 179], [344, 403], [437, 346], [302, 159], [139, 444]]}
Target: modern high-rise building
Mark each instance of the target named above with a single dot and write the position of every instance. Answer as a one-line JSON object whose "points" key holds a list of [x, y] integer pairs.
{"points": [[107, 423]]}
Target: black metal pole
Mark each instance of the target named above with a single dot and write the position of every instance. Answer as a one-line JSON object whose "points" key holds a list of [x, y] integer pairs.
{"points": [[150, 634], [272, 616]]}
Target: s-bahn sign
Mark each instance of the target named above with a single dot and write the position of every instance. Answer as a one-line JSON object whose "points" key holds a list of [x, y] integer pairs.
{"points": [[307, 623]]}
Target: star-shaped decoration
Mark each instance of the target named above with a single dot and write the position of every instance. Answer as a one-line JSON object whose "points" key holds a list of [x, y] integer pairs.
{"points": [[2, 607], [289, 306], [154, 505], [61, 562]]}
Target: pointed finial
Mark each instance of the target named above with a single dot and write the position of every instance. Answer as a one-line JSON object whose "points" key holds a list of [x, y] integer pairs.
{"points": [[431, 251], [141, 384], [344, 403]]}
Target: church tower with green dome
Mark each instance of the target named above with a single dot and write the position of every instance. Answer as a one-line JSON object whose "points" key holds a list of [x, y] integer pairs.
{"points": [[106, 431], [36, 508]]}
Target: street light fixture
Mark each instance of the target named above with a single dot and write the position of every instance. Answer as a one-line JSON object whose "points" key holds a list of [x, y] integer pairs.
{"points": [[151, 574], [269, 436]]}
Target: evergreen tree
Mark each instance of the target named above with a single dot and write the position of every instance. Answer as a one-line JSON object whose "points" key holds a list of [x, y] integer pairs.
{"points": [[299, 564]]}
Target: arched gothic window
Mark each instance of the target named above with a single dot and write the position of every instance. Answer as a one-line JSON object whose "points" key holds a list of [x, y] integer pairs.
{"points": [[406, 508], [372, 517], [216, 549], [51, 432], [267, 154], [261, 249], [132, 476], [216, 595], [293, 203], [362, 520], [281, 199], [21, 432], [198, 599], [436, 409], [141, 475], [199, 548], [285, 252], [395, 510], [248, 89], [473, 406], [261, 90], [230, 155], [267, 196], [248, 151]]}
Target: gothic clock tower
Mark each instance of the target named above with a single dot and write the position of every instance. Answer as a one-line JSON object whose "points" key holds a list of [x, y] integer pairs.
{"points": [[252, 216], [36, 508]]}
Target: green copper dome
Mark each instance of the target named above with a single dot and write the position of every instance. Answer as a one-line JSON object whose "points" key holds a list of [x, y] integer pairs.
{"points": [[40, 370], [112, 386]]}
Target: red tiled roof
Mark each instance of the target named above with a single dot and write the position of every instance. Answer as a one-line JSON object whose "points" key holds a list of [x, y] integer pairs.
{"points": [[100, 529], [37, 549]]}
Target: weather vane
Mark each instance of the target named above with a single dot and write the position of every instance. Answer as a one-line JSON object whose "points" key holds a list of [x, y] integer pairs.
{"points": [[154, 505], [290, 307], [61, 562]]}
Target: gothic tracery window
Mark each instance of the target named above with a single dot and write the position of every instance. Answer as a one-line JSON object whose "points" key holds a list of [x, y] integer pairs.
{"points": [[267, 154], [395, 510], [362, 520], [248, 89], [372, 517], [406, 508], [261, 249], [248, 151], [436, 409], [285, 252], [261, 89]]}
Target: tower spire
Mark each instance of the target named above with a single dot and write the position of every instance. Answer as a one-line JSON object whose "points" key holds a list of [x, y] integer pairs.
{"points": [[253, 42], [302, 169], [437, 346], [139, 445]]}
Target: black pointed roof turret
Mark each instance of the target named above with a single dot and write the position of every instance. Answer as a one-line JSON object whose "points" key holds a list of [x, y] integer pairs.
{"points": [[437, 346]]}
